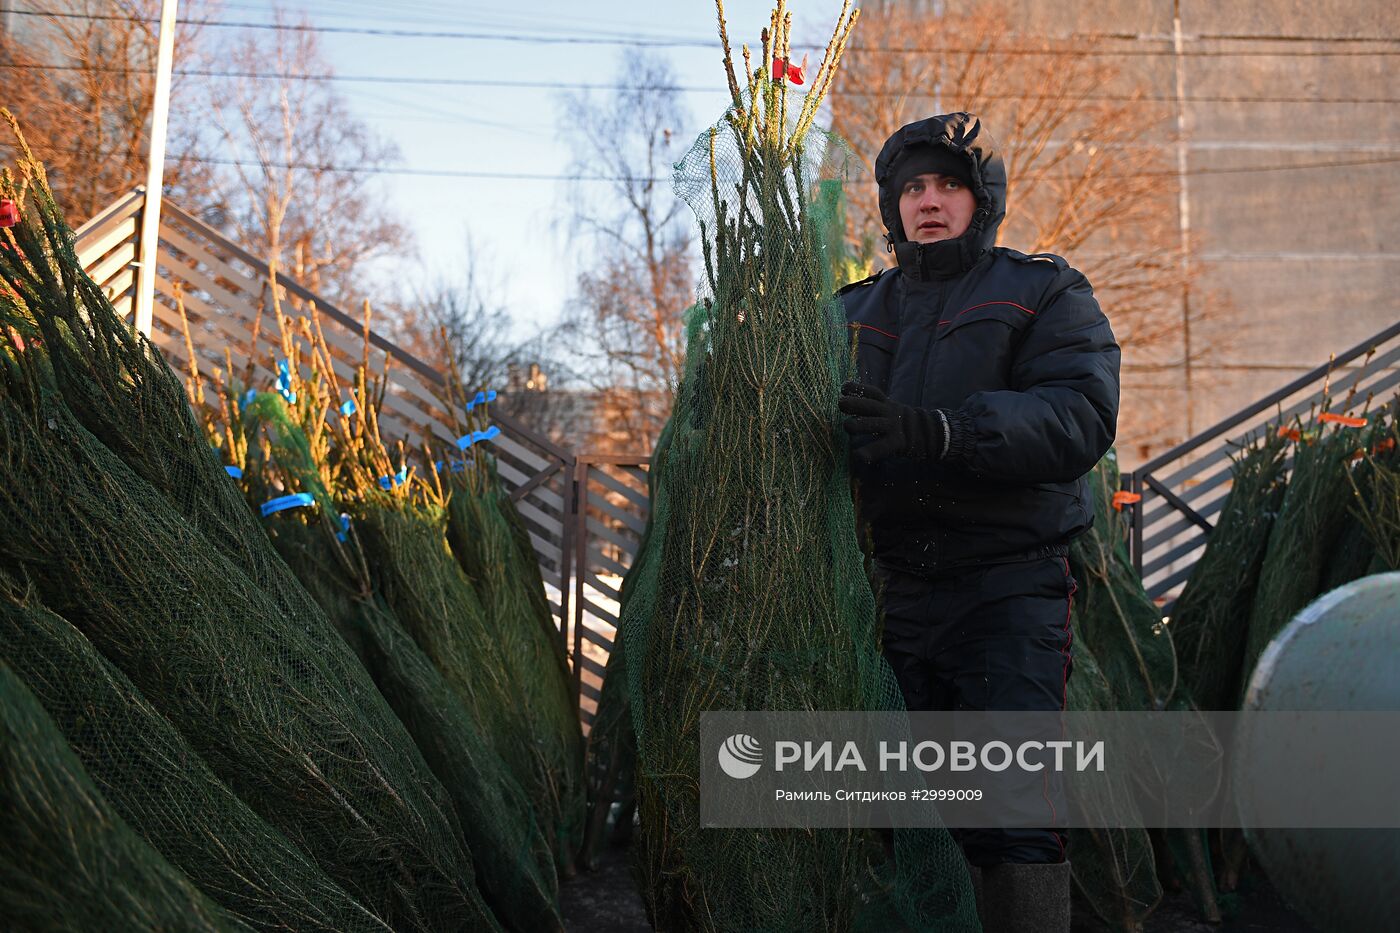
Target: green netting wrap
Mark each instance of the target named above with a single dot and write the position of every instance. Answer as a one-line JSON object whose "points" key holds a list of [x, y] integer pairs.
{"points": [[757, 597], [484, 542], [1135, 658], [168, 575], [289, 720], [118, 386], [1209, 621], [1114, 869], [1310, 523], [1123, 660], [514, 862], [612, 743], [1119, 621], [69, 862], [160, 787], [434, 601]]}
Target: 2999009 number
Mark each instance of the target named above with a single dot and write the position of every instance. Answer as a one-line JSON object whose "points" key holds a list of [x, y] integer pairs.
{"points": [[935, 794]]}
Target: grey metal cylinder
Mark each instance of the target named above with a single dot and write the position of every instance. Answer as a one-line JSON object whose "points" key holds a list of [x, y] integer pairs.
{"points": [[1341, 652]]}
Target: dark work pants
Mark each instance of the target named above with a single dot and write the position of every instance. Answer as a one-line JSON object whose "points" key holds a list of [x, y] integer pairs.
{"points": [[989, 637]]}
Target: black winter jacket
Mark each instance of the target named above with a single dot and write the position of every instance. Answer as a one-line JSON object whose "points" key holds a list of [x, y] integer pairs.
{"points": [[1016, 351]]}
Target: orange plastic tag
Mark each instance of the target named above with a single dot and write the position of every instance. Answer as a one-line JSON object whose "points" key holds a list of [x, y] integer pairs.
{"points": [[1346, 420], [1122, 497]]}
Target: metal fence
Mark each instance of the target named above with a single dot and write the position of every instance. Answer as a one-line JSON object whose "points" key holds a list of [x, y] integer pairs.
{"points": [[584, 514], [1184, 489]]}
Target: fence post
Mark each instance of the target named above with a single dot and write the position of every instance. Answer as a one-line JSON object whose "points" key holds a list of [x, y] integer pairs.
{"points": [[580, 500]]}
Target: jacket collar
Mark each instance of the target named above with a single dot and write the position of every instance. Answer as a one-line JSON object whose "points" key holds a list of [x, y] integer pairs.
{"points": [[944, 259]]}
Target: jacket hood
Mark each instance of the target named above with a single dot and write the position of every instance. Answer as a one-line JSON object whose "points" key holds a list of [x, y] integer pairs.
{"points": [[964, 134]]}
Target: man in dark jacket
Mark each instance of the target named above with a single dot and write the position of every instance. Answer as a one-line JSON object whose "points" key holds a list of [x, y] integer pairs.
{"points": [[987, 388]]}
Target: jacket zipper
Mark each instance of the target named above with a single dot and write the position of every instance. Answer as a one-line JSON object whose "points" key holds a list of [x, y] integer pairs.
{"points": [[928, 346]]}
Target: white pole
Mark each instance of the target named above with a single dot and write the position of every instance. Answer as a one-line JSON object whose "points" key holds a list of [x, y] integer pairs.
{"points": [[155, 171]]}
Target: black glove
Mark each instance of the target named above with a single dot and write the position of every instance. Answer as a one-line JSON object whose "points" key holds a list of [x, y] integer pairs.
{"points": [[900, 430]]}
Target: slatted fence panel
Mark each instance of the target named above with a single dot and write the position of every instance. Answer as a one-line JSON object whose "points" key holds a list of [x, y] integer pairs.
{"points": [[611, 509]]}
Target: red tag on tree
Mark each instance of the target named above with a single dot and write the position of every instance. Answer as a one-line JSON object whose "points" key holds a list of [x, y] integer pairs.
{"points": [[9, 213], [795, 73]]}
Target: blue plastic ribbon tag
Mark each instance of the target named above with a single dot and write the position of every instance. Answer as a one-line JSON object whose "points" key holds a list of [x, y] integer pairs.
{"points": [[475, 437], [234, 471], [398, 479], [349, 408], [294, 501], [249, 396], [284, 382], [344, 527], [482, 398]]}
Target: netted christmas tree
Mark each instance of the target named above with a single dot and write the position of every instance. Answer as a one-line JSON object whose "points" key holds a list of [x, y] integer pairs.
{"points": [[1134, 659], [112, 505], [484, 529], [318, 438], [69, 862], [1117, 619], [1375, 483], [1209, 621], [1311, 524], [757, 597], [154, 779], [1113, 868]]}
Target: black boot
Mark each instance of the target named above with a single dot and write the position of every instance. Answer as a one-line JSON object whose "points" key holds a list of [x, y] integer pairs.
{"points": [[1025, 898]]}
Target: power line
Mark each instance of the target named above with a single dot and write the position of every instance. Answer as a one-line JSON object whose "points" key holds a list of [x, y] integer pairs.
{"points": [[405, 15], [647, 42], [547, 176], [504, 83], [394, 33]]}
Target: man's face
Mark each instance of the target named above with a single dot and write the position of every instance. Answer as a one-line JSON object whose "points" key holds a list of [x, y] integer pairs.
{"points": [[935, 207]]}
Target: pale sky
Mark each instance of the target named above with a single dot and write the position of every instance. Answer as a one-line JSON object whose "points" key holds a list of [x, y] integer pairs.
{"points": [[513, 130]]}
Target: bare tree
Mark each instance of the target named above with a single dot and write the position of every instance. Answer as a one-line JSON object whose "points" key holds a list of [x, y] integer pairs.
{"points": [[459, 322], [1088, 152], [628, 313], [466, 312], [81, 79], [295, 182]]}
